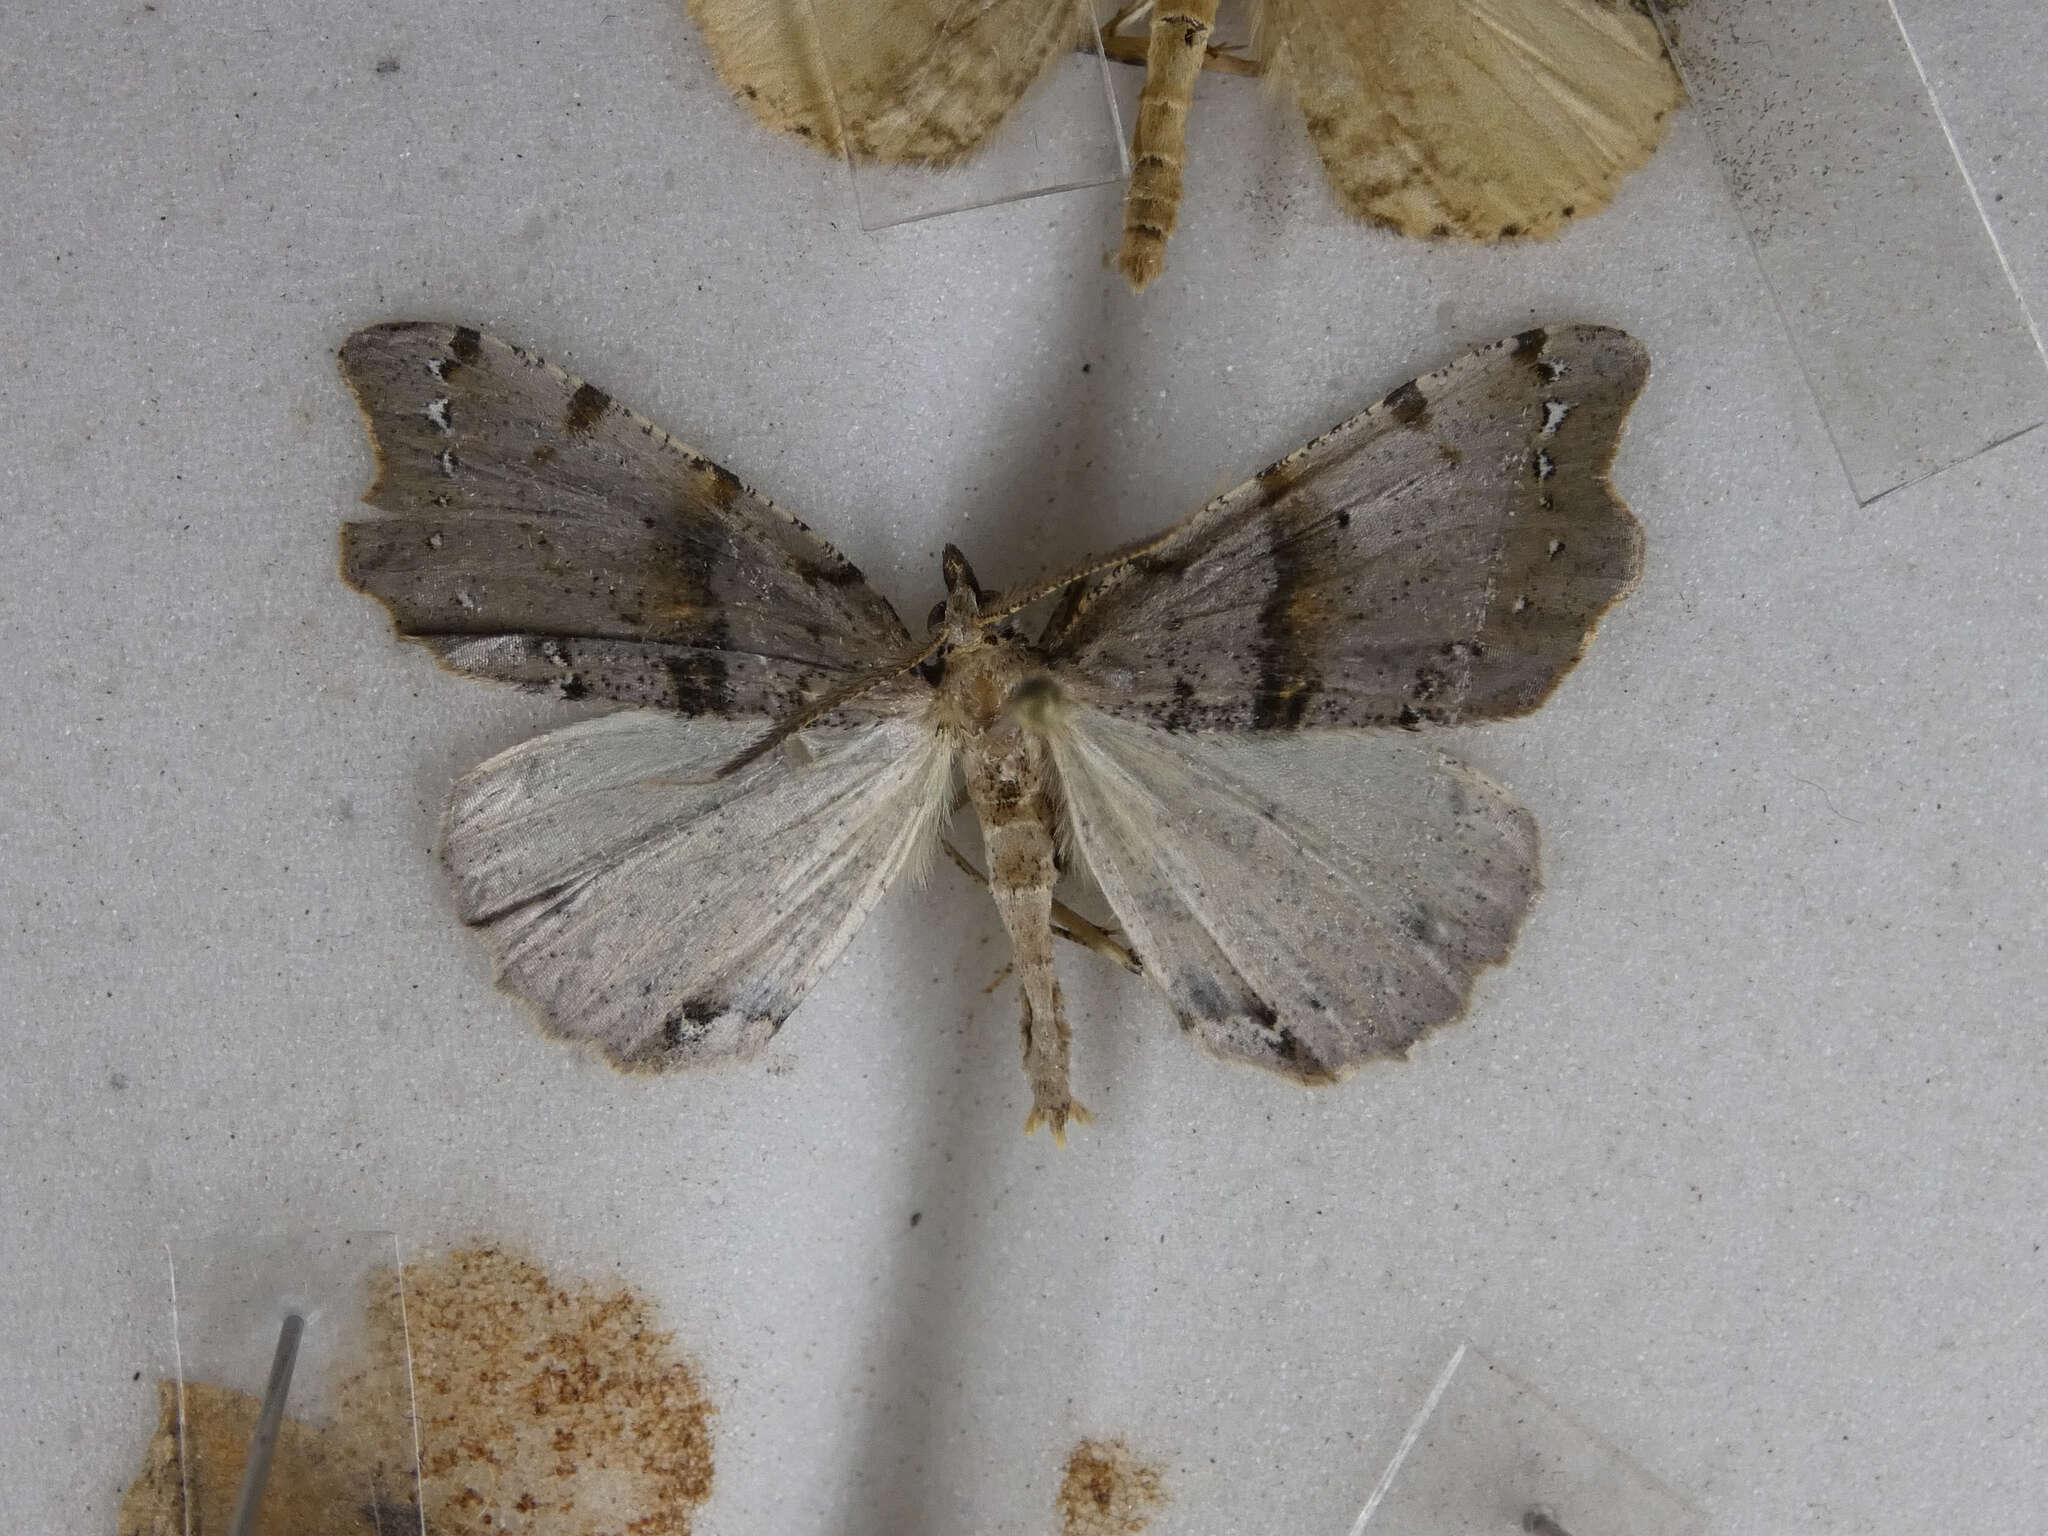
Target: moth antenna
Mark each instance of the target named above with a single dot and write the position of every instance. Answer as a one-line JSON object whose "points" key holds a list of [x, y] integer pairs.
{"points": [[812, 713], [1004, 604], [1173, 59]]}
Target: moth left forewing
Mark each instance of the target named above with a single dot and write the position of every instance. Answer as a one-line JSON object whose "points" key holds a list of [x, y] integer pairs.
{"points": [[1443, 556], [535, 531], [669, 915], [1304, 944]]}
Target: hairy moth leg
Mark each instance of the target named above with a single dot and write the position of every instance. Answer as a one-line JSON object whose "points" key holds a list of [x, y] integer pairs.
{"points": [[1179, 44]]}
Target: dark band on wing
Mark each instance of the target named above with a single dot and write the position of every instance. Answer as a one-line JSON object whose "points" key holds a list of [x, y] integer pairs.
{"points": [[1288, 675]]}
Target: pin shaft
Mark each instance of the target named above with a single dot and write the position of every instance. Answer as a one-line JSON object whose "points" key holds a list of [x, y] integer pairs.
{"points": [[263, 1439]]}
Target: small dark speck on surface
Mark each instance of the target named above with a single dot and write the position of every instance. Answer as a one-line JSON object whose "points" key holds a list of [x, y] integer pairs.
{"points": [[388, 65], [117, 1081], [916, 1217]]}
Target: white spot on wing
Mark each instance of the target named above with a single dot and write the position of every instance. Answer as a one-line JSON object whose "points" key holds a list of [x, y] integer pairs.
{"points": [[437, 413], [1554, 413]]}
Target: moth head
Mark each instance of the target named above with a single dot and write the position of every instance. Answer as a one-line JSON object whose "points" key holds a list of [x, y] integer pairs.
{"points": [[959, 615]]}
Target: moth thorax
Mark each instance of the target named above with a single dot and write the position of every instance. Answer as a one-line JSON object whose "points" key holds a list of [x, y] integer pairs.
{"points": [[1037, 703]]}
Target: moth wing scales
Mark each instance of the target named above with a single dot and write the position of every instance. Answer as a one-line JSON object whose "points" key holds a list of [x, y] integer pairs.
{"points": [[910, 81], [537, 532], [1305, 945], [1445, 555], [667, 915], [1481, 119]]}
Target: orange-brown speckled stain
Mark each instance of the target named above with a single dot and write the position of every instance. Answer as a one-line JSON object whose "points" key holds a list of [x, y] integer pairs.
{"points": [[316, 1487], [1107, 1490], [547, 1408]]}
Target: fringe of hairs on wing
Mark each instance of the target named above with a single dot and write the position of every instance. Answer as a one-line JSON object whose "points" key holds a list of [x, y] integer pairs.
{"points": [[1173, 59], [919, 855]]}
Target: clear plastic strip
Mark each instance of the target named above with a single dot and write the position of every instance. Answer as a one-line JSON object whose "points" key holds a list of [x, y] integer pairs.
{"points": [[1889, 279]]}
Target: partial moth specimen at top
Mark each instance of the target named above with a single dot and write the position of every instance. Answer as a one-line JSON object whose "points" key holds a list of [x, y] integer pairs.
{"points": [[668, 881], [1465, 119]]}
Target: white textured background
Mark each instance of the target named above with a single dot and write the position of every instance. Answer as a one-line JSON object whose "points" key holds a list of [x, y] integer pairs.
{"points": [[1740, 1157]]}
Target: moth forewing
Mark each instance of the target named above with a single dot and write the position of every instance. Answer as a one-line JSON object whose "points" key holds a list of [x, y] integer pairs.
{"points": [[534, 531], [1443, 556]]}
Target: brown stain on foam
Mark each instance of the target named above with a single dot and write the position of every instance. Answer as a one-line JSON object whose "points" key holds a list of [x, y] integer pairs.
{"points": [[548, 1408], [545, 1407], [1107, 1490], [316, 1487]]}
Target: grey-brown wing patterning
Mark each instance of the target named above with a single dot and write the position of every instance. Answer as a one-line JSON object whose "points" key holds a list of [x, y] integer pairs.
{"points": [[662, 886], [536, 532]]}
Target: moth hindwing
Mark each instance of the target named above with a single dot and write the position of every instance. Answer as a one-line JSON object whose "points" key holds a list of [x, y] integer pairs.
{"points": [[667, 882]]}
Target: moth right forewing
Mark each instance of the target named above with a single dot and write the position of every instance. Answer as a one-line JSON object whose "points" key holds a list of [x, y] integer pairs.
{"points": [[1444, 555]]}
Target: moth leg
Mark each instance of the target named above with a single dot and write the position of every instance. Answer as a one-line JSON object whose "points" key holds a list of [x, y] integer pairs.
{"points": [[1173, 58], [1066, 922]]}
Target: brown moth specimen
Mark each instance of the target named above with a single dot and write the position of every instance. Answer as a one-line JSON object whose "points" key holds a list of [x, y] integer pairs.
{"points": [[1467, 119], [667, 882]]}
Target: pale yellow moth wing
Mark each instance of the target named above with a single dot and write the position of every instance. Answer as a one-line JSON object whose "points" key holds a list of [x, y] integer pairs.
{"points": [[1481, 119], [916, 81], [669, 915], [1303, 941]]}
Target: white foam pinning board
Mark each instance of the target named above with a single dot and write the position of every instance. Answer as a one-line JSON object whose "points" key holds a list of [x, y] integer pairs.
{"points": [[1739, 1151]]}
